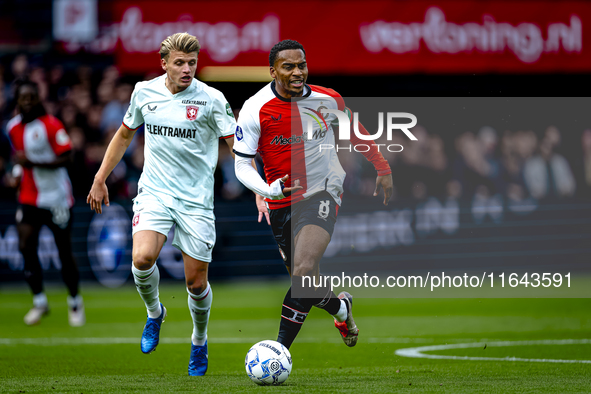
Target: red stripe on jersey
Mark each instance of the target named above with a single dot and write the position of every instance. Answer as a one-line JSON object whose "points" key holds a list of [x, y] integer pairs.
{"points": [[56, 135], [28, 190], [129, 128], [281, 147], [226, 137]]}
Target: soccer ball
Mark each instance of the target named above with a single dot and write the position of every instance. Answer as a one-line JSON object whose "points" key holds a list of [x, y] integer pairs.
{"points": [[268, 363]]}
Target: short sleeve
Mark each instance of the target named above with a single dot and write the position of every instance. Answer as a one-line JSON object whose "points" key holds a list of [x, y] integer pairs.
{"points": [[248, 132], [133, 117], [222, 118], [57, 136]]}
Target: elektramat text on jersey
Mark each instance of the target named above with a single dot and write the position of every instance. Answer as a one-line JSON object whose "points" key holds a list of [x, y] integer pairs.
{"points": [[167, 131]]}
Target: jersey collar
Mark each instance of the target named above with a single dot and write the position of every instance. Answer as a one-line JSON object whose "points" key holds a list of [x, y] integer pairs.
{"points": [[191, 87], [305, 95]]}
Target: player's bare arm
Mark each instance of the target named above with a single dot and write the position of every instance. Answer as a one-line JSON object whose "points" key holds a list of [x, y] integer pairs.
{"points": [[230, 142], [115, 150]]}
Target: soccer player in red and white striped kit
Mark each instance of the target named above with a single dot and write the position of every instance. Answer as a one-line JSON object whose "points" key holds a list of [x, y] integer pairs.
{"points": [[305, 182], [42, 149]]}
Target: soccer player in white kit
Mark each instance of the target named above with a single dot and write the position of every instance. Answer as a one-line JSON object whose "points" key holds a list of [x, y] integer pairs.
{"points": [[184, 120]]}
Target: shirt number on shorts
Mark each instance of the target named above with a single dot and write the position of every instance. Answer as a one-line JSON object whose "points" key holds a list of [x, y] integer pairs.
{"points": [[60, 216], [324, 209]]}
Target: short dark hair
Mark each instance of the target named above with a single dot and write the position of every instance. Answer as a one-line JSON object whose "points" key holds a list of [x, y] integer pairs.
{"points": [[21, 83], [283, 46]]}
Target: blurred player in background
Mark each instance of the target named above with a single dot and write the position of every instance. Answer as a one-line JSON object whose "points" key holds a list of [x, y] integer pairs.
{"points": [[184, 120], [303, 214], [42, 151]]}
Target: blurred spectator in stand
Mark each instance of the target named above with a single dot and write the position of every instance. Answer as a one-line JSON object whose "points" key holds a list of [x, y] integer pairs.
{"points": [[584, 167], [412, 181], [475, 167], [488, 140], [231, 187], [78, 172], [92, 131], [437, 166], [135, 166], [57, 88], [19, 68], [84, 75], [114, 111], [547, 174]]}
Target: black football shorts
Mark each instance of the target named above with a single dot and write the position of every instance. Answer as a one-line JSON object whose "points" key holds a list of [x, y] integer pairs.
{"points": [[319, 209]]}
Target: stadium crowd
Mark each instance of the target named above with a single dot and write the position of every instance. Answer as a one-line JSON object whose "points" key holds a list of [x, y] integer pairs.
{"points": [[516, 164]]}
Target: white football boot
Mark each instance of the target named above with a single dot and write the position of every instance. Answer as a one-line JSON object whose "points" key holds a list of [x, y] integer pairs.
{"points": [[35, 314]]}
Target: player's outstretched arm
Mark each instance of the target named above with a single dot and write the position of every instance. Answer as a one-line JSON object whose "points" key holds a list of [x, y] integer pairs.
{"points": [[115, 150]]}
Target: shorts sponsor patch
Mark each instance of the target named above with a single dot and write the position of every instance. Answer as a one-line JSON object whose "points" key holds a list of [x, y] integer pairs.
{"points": [[136, 219]]}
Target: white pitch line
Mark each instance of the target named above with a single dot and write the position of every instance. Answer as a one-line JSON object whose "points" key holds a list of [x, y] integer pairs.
{"points": [[136, 340], [417, 352]]}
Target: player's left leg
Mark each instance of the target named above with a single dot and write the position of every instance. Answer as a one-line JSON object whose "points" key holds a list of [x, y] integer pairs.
{"points": [[61, 226], [199, 300], [310, 244], [195, 237]]}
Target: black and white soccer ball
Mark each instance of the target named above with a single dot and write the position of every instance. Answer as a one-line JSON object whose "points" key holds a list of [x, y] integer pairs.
{"points": [[268, 363]]}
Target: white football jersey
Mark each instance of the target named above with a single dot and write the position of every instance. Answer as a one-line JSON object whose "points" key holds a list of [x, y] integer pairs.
{"points": [[182, 133]]}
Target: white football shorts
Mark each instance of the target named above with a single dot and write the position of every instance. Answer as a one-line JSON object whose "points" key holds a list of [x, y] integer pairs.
{"points": [[194, 234]]}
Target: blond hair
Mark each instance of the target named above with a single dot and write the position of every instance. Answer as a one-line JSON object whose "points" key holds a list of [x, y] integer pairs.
{"points": [[183, 42]]}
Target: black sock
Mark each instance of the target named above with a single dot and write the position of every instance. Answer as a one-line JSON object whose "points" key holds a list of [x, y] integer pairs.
{"points": [[70, 275], [320, 296], [33, 271], [327, 300], [293, 314]]}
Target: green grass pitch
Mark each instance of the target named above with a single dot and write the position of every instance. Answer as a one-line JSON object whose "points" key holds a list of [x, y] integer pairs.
{"points": [[104, 355]]}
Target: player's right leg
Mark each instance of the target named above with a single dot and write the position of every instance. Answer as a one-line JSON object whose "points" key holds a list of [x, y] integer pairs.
{"points": [[314, 226], [29, 221], [151, 224]]}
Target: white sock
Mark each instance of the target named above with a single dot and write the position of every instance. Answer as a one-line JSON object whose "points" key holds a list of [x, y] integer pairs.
{"points": [[341, 315], [199, 306], [146, 283], [40, 300], [74, 302]]}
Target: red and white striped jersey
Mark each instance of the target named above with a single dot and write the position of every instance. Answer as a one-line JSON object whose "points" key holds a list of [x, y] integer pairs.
{"points": [[273, 126], [42, 141]]}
